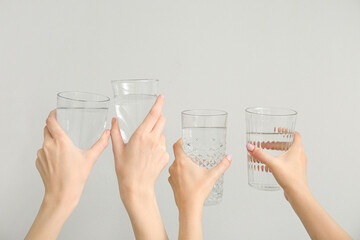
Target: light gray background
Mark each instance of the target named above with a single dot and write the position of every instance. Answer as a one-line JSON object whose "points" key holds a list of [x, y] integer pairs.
{"points": [[207, 54]]}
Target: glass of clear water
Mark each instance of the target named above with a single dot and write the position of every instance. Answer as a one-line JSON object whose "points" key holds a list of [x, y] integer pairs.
{"points": [[271, 129], [82, 116], [204, 141], [133, 101]]}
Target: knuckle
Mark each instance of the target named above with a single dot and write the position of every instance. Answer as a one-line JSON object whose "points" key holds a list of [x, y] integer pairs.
{"points": [[38, 153], [153, 112], [181, 163], [46, 145], [49, 120], [171, 169], [37, 163], [104, 143], [142, 137]]}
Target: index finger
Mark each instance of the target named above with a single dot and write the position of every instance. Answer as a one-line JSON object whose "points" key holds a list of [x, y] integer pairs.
{"points": [[53, 126], [153, 116]]}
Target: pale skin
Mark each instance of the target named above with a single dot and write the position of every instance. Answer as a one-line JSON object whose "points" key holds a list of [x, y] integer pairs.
{"points": [[64, 169], [138, 165], [191, 185], [289, 170]]}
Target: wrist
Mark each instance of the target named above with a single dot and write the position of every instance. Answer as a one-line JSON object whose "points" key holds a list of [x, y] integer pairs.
{"points": [[64, 203], [190, 211], [190, 222], [297, 191], [137, 196]]}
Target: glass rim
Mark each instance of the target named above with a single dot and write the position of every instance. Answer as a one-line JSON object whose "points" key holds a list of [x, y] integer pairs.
{"points": [[135, 80], [252, 110], [215, 112], [61, 95]]}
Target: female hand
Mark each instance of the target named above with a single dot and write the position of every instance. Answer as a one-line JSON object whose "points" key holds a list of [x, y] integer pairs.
{"points": [[64, 169], [138, 165], [289, 169], [192, 184]]}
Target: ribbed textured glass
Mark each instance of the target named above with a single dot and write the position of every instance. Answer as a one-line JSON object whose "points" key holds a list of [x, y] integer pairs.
{"points": [[271, 129]]}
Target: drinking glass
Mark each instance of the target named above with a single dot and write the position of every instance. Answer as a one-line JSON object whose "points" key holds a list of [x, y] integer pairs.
{"points": [[271, 129], [82, 116], [133, 101], [204, 141]]}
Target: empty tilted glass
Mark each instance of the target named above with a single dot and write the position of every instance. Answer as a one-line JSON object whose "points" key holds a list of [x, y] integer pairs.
{"points": [[271, 129], [133, 101], [82, 116], [204, 141]]}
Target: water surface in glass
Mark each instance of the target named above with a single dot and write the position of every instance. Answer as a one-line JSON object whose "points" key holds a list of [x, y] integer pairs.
{"points": [[82, 116]]}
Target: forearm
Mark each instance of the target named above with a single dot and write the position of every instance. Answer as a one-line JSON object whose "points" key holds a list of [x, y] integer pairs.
{"points": [[145, 217], [318, 223], [51, 217], [190, 227]]}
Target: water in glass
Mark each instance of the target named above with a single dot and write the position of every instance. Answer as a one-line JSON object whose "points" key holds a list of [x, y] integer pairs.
{"points": [[206, 147], [131, 110], [83, 125], [272, 143]]}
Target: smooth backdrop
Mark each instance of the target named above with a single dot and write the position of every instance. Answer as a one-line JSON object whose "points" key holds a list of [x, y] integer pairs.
{"points": [[224, 54]]}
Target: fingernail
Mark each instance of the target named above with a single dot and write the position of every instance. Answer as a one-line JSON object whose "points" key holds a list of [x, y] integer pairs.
{"points": [[250, 147], [229, 157], [113, 120]]}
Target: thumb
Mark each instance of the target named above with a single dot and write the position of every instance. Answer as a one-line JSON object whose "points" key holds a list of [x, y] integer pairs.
{"points": [[260, 155], [116, 138], [219, 170], [100, 145]]}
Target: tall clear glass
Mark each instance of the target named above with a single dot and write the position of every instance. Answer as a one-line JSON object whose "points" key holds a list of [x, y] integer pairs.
{"points": [[204, 141], [133, 101], [82, 116], [271, 129]]}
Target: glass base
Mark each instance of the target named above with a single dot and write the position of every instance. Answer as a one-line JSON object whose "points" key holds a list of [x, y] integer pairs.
{"points": [[215, 196], [212, 202], [265, 187]]}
